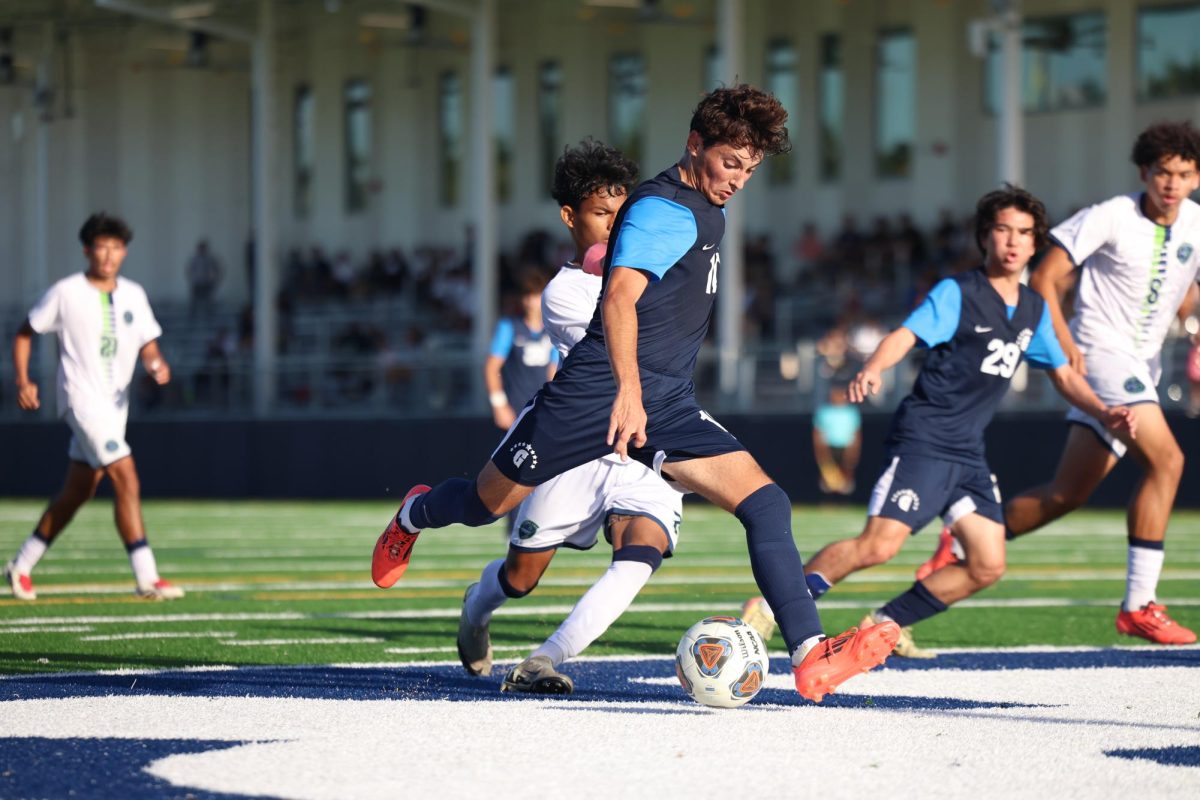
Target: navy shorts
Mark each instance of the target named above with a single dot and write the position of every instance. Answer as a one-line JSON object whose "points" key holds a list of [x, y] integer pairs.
{"points": [[566, 423], [916, 488]]}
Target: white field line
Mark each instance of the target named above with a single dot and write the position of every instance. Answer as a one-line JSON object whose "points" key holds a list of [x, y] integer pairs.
{"points": [[38, 629], [120, 637], [497, 648], [55, 624], [741, 579], [281, 642]]}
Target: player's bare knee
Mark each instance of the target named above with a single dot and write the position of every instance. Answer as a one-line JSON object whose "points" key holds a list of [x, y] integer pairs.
{"points": [[520, 575], [985, 573], [1169, 462], [873, 550]]}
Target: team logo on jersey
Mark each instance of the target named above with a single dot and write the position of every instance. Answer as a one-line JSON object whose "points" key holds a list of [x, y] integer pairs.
{"points": [[528, 529], [1184, 253], [111, 446], [522, 452], [1024, 338], [907, 499], [1134, 386], [128, 317]]}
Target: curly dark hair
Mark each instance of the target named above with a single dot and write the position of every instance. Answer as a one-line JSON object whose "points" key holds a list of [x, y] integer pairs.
{"points": [[1010, 196], [591, 167], [1164, 139], [104, 224], [743, 116]]}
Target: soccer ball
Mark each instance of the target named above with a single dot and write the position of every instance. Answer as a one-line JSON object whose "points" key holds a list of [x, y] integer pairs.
{"points": [[721, 662]]}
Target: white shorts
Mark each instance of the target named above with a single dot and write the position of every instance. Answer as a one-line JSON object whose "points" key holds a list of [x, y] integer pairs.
{"points": [[1118, 380], [569, 510], [98, 437]]}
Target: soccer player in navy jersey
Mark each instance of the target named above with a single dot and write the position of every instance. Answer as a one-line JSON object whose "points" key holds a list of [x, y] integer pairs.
{"points": [[627, 388], [521, 357], [978, 325]]}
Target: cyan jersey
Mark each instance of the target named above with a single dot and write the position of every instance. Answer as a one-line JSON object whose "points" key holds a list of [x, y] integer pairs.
{"points": [[672, 233], [527, 356], [976, 342]]}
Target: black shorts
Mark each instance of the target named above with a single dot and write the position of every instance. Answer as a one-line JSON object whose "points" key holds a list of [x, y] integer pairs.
{"points": [[566, 423], [916, 488]]}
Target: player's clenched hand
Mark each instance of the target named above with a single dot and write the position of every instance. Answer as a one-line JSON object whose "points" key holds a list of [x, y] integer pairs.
{"points": [[27, 396], [1121, 418], [626, 424], [865, 384], [504, 416], [160, 370]]}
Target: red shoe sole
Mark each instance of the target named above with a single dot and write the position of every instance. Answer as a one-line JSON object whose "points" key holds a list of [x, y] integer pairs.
{"points": [[385, 571]]}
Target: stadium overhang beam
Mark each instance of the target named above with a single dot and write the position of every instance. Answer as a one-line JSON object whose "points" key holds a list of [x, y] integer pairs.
{"points": [[262, 52]]}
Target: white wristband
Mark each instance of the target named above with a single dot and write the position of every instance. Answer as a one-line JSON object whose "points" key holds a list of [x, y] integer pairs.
{"points": [[498, 398]]}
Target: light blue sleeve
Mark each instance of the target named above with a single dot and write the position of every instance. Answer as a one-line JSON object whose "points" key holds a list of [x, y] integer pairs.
{"points": [[936, 319], [555, 358], [654, 235], [1044, 351], [502, 339]]}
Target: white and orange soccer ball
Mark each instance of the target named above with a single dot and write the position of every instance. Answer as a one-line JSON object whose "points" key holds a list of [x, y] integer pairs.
{"points": [[721, 662]]}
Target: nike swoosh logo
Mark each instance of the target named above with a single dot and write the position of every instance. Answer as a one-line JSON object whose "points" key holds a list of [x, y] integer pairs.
{"points": [[982, 329], [708, 247]]}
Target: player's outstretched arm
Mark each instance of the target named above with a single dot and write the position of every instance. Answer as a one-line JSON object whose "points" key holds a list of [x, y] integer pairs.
{"points": [[27, 390], [627, 423], [155, 365], [1049, 280], [1071, 385], [890, 352]]}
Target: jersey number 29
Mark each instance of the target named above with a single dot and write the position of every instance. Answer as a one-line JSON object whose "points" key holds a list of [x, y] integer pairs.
{"points": [[1003, 359]]}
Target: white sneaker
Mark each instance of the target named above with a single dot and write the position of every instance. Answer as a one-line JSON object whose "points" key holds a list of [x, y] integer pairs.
{"points": [[161, 590], [21, 585]]}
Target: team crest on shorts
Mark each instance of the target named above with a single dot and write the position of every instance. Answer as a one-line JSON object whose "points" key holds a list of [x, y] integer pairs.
{"points": [[522, 452], [1134, 386], [907, 499], [527, 530], [128, 317], [1184, 253]]}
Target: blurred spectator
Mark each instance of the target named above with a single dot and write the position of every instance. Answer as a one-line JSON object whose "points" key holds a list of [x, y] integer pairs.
{"points": [[1193, 376], [837, 440], [808, 252], [203, 275], [521, 357]]}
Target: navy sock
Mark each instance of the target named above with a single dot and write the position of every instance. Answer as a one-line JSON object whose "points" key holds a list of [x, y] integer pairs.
{"points": [[452, 501], [46, 540], [1135, 541], [778, 570], [817, 585], [140, 543], [508, 589], [916, 604]]}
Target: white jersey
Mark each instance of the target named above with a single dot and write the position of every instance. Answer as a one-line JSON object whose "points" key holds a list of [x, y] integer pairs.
{"points": [[1134, 275], [568, 303], [100, 335]]}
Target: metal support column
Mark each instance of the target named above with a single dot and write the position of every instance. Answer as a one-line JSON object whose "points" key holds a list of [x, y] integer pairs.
{"points": [[731, 280]]}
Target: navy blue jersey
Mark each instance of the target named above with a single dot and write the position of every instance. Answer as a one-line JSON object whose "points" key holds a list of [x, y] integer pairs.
{"points": [[672, 233], [527, 356], [976, 344]]}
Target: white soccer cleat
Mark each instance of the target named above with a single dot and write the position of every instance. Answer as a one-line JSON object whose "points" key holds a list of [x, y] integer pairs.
{"points": [[21, 585], [537, 675], [757, 614], [160, 590]]}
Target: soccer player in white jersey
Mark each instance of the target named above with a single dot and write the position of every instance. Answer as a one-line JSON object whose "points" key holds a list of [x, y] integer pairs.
{"points": [[638, 510], [104, 326], [1137, 256]]}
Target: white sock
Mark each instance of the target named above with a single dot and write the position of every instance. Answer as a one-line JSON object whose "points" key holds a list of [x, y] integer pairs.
{"points": [[957, 548], [404, 518], [30, 554], [800, 652], [604, 602], [1141, 581], [488, 596], [145, 569]]}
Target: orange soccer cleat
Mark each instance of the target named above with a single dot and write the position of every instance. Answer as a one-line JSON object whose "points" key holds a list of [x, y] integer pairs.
{"points": [[941, 557], [394, 547], [834, 661], [1151, 622]]}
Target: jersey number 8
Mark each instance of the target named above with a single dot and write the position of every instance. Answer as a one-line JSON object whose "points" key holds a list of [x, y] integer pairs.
{"points": [[1003, 359]]}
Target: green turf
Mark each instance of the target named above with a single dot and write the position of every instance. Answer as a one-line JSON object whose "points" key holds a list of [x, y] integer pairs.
{"points": [[303, 570]]}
